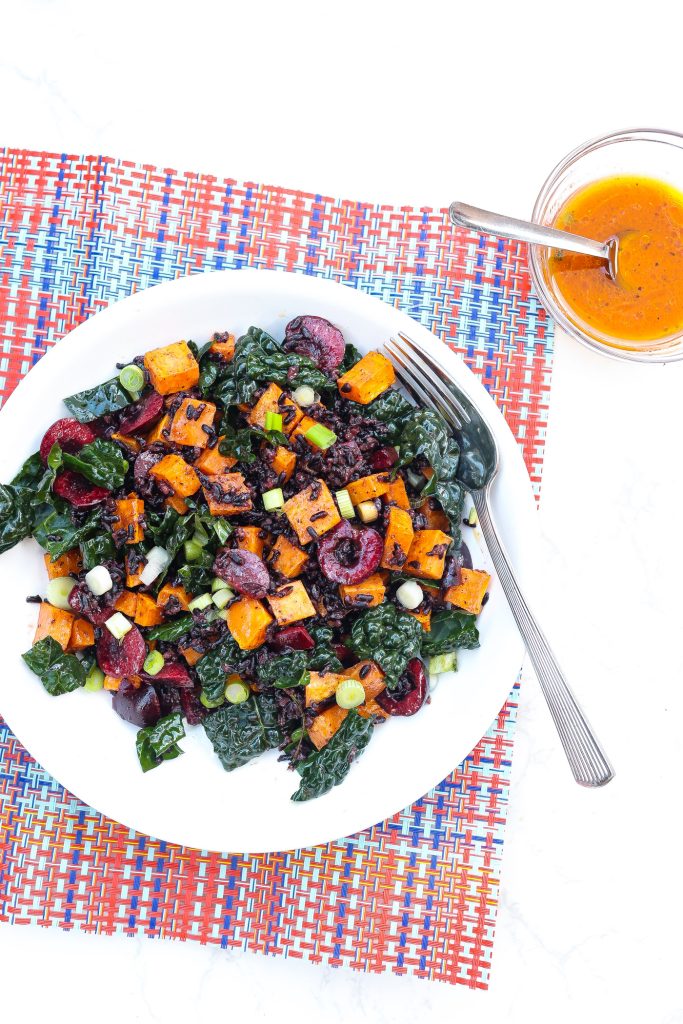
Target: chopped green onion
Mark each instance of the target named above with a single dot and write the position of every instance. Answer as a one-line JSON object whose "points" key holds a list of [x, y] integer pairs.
{"points": [[153, 663], [223, 597], [132, 379], [345, 504], [472, 518], [368, 511], [199, 603], [305, 395], [208, 703], [410, 595], [273, 420], [218, 584], [193, 550], [99, 580], [237, 693], [350, 693], [273, 500], [320, 436], [94, 679], [58, 591], [443, 663], [118, 625]]}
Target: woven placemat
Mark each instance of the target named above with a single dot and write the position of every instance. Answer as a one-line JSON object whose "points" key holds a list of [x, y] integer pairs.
{"points": [[416, 894]]}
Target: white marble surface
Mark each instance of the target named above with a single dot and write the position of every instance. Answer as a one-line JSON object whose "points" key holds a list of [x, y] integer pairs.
{"points": [[318, 96]]}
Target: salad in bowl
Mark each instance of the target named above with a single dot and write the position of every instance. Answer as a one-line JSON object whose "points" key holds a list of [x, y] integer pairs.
{"points": [[259, 538]]}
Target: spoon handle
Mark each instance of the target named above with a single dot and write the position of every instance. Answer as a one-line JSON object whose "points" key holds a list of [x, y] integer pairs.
{"points": [[466, 216]]}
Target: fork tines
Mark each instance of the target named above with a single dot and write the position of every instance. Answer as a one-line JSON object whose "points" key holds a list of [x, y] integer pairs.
{"points": [[421, 375]]}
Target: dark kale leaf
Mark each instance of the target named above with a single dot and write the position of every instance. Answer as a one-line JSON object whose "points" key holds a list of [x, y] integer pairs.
{"points": [[241, 443], [240, 732], [102, 463], [98, 401], [196, 578], [38, 477], [285, 670], [171, 631], [213, 528], [326, 768], [323, 655], [391, 409], [450, 631], [59, 672], [426, 435], [215, 666], [388, 637], [56, 531], [159, 742], [16, 515], [97, 549], [170, 530], [259, 359], [351, 357]]}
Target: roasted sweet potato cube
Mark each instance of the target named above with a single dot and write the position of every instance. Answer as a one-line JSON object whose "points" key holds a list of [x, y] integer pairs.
{"points": [[55, 623], [369, 674], [227, 494], [172, 368], [427, 555], [371, 375], [396, 494], [424, 618], [223, 345], [82, 635], [68, 564], [321, 686], [435, 516], [172, 600], [324, 726], [363, 595], [397, 539], [146, 611], [159, 433], [191, 655], [131, 443], [177, 504], [368, 487], [248, 619], [129, 516], [112, 682], [211, 462], [180, 477], [133, 575], [187, 425], [291, 603], [251, 538], [274, 399], [287, 558], [469, 593], [312, 512], [127, 604], [284, 462]]}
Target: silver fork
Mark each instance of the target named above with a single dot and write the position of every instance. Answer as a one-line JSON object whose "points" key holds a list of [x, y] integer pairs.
{"points": [[430, 385]]}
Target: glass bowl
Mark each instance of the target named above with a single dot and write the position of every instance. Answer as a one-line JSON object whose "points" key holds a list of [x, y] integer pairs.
{"points": [[644, 152]]}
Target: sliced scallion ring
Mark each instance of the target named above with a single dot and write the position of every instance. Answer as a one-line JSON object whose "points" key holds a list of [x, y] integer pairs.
{"points": [[345, 504], [320, 436], [273, 500], [132, 379], [273, 420], [237, 693], [350, 693]]}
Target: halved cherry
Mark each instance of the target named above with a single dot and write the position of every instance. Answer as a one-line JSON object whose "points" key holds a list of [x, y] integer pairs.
{"points": [[69, 434], [78, 491], [349, 554], [412, 701], [317, 338]]}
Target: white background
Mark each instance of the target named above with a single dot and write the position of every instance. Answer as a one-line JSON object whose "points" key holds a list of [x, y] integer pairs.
{"points": [[421, 104]]}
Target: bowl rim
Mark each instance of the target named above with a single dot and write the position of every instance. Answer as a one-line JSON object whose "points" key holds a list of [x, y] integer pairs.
{"points": [[664, 136]]}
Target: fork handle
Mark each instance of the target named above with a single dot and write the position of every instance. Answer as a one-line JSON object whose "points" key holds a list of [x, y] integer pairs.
{"points": [[588, 762]]}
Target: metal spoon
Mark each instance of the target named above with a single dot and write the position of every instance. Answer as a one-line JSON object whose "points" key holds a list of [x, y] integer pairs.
{"points": [[466, 216]]}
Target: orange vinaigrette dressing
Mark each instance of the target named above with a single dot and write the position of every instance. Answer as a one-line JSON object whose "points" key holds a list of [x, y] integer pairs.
{"points": [[645, 303]]}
